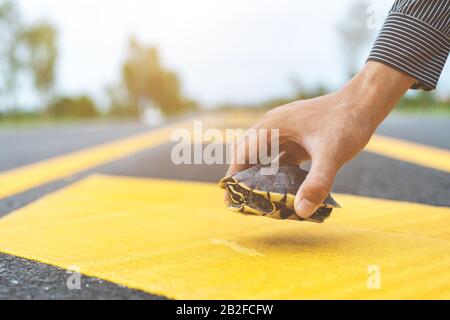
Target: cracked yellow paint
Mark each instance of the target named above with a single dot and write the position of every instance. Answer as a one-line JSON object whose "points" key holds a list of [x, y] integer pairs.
{"points": [[237, 247], [156, 236]]}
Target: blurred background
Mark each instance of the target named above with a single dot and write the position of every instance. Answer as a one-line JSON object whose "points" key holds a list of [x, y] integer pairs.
{"points": [[86, 90], [155, 59]]}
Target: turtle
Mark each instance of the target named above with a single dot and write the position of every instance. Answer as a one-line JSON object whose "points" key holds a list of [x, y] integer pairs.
{"points": [[252, 193]]}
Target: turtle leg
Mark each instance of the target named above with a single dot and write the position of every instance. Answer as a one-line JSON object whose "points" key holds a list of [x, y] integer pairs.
{"points": [[320, 215]]}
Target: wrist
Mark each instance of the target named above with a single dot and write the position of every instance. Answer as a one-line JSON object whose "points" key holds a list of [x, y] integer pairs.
{"points": [[372, 94]]}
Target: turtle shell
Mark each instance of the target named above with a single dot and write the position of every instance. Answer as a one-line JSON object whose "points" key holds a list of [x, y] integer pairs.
{"points": [[251, 192]]}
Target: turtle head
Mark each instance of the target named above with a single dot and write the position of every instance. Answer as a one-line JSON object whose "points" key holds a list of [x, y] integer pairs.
{"points": [[244, 200]]}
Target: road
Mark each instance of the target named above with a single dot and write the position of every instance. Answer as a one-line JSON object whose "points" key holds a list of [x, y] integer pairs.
{"points": [[373, 175]]}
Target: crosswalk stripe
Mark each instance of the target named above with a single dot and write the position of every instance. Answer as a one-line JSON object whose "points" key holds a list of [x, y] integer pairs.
{"points": [[176, 239]]}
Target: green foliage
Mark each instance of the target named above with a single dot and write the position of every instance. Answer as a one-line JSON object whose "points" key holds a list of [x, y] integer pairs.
{"points": [[148, 83], [420, 101], [15, 116], [424, 101], [121, 105], [40, 41], [68, 107], [32, 49], [9, 58]]}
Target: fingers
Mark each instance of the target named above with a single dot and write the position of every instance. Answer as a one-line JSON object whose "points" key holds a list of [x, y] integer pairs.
{"points": [[235, 168], [293, 154], [316, 187]]}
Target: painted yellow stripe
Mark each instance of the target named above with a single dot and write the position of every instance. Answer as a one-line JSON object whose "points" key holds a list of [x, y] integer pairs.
{"points": [[177, 239], [415, 153], [24, 178], [34, 175]]}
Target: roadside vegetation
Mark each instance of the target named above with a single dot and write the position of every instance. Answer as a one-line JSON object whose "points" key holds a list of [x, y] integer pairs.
{"points": [[29, 59]]}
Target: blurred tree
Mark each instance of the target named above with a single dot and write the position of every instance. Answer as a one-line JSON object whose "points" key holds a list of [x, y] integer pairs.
{"points": [[69, 107], [9, 58], [149, 84], [120, 102], [40, 42], [354, 34]]}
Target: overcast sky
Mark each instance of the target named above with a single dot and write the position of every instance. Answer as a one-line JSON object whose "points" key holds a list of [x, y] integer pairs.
{"points": [[223, 50]]}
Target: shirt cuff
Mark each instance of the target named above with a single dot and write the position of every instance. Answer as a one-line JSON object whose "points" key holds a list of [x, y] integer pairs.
{"points": [[413, 47]]}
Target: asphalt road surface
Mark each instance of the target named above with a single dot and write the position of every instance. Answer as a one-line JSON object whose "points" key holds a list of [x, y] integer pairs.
{"points": [[370, 174]]}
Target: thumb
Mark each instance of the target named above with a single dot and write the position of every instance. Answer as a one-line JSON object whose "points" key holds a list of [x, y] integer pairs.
{"points": [[317, 186]]}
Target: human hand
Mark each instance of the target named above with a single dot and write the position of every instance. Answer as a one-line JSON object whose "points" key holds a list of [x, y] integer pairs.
{"points": [[331, 130]]}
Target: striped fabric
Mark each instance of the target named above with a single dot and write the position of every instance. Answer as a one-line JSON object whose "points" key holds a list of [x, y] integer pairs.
{"points": [[415, 39]]}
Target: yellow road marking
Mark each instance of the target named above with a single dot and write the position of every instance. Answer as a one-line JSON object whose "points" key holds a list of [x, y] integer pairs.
{"points": [[156, 236], [24, 178], [415, 153], [34, 175]]}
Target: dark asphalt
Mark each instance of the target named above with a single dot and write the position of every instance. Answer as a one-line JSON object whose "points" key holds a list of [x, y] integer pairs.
{"points": [[430, 130], [22, 147], [369, 174], [24, 279]]}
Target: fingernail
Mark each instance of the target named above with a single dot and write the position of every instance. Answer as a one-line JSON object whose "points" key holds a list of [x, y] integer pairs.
{"points": [[305, 208]]}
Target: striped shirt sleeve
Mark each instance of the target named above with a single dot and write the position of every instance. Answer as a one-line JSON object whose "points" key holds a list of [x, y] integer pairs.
{"points": [[415, 39]]}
